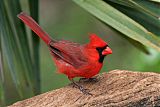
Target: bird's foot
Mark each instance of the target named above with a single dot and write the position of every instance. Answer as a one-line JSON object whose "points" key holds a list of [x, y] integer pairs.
{"points": [[84, 91], [81, 88], [88, 79]]}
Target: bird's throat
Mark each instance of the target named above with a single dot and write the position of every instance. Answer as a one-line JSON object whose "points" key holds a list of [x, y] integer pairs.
{"points": [[101, 57]]}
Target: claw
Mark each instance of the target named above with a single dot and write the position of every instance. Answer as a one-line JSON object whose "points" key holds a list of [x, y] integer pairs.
{"points": [[85, 91], [82, 89]]}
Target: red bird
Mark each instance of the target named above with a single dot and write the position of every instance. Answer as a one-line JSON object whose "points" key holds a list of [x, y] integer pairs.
{"points": [[73, 59]]}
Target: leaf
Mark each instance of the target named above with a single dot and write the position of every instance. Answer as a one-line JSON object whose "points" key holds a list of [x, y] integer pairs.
{"points": [[152, 24], [158, 1], [2, 92], [7, 49], [143, 6], [15, 48], [16, 53], [120, 22], [34, 7], [137, 44]]}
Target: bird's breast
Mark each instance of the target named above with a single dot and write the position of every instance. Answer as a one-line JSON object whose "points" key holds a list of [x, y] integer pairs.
{"points": [[90, 70]]}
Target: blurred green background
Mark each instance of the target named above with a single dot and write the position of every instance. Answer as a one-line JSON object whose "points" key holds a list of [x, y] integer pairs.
{"points": [[63, 19]]}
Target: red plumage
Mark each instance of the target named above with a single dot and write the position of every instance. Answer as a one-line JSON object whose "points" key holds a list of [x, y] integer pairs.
{"points": [[72, 59]]}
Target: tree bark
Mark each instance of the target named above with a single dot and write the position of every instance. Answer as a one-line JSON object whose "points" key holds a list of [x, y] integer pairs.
{"points": [[118, 88]]}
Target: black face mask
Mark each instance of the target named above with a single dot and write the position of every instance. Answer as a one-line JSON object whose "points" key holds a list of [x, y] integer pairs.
{"points": [[100, 50]]}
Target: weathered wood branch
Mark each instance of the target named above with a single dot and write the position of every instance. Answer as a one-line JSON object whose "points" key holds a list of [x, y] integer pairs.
{"points": [[118, 88]]}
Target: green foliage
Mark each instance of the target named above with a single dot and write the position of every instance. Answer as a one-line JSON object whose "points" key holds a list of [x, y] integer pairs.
{"points": [[140, 21], [16, 52], [2, 96], [34, 4]]}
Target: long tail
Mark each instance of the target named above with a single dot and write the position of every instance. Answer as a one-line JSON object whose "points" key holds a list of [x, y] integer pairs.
{"points": [[32, 24]]}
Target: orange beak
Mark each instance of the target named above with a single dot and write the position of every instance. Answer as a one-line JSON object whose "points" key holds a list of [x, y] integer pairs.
{"points": [[107, 51]]}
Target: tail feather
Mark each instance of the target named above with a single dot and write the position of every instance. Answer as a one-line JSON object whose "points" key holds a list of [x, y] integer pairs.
{"points": [[32, 24]]}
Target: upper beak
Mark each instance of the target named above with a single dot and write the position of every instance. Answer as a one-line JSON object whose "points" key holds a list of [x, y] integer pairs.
{"points": [[107, 51]]}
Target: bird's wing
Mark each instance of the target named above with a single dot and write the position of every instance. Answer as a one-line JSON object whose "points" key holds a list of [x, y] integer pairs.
{"points": [[69, 52]]}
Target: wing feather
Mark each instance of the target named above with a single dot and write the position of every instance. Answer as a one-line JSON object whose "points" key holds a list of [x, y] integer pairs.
{"points": [[69, 52]]}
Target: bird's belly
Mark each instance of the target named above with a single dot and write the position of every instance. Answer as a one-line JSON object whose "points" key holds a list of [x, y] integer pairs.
{"points": [[86, 71], [90, 71]]}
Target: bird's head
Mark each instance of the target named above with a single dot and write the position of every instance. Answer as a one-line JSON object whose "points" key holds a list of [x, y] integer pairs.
{"points": [[99, 44]]}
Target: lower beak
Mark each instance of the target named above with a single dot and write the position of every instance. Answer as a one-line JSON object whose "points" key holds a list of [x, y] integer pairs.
{"points": [[107, 51]]}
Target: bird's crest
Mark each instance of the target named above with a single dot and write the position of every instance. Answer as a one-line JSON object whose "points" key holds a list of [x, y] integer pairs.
{"points": [[96, 41]]}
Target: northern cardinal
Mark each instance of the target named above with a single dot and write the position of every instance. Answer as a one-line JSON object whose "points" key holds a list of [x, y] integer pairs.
{"points": [[73, 59]]}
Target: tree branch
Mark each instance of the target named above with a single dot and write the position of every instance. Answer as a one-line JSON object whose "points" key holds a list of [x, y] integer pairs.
{"points": [[118, 88]]}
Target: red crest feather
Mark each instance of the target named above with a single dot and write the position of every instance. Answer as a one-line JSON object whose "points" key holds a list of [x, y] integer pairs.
{"points": [[95, 41]]}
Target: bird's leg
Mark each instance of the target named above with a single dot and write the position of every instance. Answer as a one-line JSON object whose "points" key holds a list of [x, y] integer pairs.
{"points": [[82, 89], [88, 79]]}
